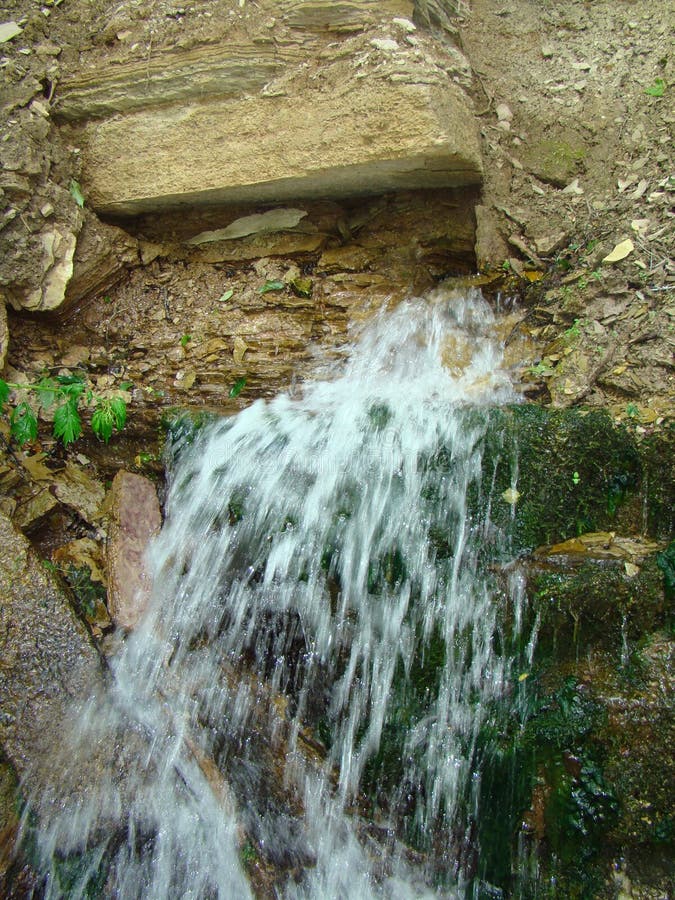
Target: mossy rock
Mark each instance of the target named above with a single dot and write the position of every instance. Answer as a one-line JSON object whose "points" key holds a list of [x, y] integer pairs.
{"points": [[638, 735], [657, 452], [572, 470], [555, 161], [545, 803], [9, 814], [596, 606]]}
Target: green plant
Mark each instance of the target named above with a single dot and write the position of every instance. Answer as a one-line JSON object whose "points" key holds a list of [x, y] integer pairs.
{"points": [[271, 286], [237, 387], [185, 340], [541, 368], [67, 392], [249, 854], [76, 192], [657, 89], [574, 331]]}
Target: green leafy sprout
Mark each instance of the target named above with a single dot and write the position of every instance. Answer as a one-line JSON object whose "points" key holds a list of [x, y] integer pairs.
{"points": [[237, 387], [657, 89], [68, 391], [76, 193]]}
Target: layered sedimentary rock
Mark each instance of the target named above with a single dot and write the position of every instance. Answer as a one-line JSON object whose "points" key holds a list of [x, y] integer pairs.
{"points": [[377, 111]]}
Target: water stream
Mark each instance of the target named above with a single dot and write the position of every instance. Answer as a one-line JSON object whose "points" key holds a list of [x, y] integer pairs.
{"points": [[299, 710]]}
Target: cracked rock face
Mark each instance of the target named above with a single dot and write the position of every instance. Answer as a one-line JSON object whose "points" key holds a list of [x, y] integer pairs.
{"points": [[47, 657]]}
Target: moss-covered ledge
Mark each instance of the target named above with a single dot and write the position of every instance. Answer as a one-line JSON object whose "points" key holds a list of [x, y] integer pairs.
{"points": [[558, 473]]}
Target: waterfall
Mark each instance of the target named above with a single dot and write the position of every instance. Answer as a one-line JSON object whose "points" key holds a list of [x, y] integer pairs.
{"points": [[297, 714]]}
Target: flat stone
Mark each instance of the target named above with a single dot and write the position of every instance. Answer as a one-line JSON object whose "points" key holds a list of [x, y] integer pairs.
{"points": [[47, 659], [134, 520], [367, 137]]}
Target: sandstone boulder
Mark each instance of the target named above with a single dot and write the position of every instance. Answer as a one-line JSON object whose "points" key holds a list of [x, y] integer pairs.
{"points": [[47, 659], [134, 520]]}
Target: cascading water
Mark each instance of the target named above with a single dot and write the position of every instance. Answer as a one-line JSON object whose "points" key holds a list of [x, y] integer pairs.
{"points": [[304, 696]]}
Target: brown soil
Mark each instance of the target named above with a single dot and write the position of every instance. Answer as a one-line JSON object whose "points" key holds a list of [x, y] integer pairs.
{"points": [[578, 162], [577, 158]]}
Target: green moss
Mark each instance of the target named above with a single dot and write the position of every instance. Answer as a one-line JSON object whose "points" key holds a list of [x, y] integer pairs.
{"points": [[545, 747], [657, 451], [596, 606], [666, 563], [572, 469], [9, 814], [555, 161], [181, 427]]}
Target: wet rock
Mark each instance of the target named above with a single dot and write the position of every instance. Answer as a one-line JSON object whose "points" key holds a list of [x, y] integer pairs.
{"points": [[134, 520], [47, 657], [594, 602], [9, 822], [4, 334]]}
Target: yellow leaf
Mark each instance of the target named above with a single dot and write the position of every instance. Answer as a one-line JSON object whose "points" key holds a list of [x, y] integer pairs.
{"points": [[511, 495], [240, 348], [631, 569], [621, 251], [533, 274], [523, 676]]}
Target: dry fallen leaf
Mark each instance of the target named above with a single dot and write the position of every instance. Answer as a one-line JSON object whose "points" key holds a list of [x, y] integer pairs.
{"points": [[621, 251], [511, 495], [240, 348], [573, 188], [640, 226], [640, 189]]}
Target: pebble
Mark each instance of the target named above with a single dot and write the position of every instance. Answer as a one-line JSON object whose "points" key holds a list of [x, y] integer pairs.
{"points": [[504, 114], [384, 44], [405, 25]]}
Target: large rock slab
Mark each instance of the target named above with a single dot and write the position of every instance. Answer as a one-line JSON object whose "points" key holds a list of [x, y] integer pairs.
{"points": [[47, 658], [374, 114]]}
